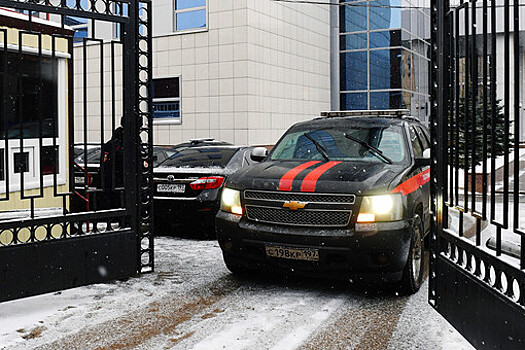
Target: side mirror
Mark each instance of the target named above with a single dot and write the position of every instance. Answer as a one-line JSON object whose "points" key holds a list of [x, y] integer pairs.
{"points": [[425, 159], [258, 154]]}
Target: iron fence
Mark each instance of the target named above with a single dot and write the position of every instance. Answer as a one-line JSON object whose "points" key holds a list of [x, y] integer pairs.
{"points": [[64, 93], [477, 277]]}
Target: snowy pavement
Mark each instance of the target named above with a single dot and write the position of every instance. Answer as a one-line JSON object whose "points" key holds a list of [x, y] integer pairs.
{"points": [[191, 301]]}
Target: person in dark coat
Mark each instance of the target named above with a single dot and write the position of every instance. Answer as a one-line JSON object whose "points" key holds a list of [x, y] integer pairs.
{"points": [[111, 172]]}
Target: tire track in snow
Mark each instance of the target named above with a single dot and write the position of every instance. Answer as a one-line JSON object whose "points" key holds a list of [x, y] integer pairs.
{"points": [[363, 326], [259, 316], [301, 333], [261, 329], [159, 317]]}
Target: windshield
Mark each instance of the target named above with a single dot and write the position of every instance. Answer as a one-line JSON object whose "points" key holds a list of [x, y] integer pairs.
{"points": [[300, 145], [200, 157]]}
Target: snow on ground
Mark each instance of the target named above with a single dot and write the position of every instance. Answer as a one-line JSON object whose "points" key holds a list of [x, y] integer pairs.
{"points": [[177, 270], [431, 330], [191, 301]]}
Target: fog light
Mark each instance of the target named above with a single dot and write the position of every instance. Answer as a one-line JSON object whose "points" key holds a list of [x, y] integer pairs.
{"points": [[364, 217], [236, 210]]}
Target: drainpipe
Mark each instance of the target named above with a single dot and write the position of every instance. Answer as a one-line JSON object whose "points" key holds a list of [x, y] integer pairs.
{"points": [[334, 57]]}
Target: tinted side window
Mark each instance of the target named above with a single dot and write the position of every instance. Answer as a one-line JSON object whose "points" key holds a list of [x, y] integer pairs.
{"points": [[201, 157], [416, 145], [236, 161]]}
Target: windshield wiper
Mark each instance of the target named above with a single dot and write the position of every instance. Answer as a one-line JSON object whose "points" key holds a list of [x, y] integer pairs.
{"points": [[376, 151], [318, 146]]}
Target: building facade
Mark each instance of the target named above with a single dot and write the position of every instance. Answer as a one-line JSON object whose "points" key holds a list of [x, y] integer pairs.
{"points": [[383, 56], [236, 70]]}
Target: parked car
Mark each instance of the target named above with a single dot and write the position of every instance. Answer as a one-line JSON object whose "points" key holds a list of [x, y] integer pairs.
{"points": [[188, 186], [86, 173], [344, 197], [199, 143]]}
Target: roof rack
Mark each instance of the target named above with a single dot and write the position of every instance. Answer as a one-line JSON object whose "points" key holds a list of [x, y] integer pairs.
{"points": [[390, 113], [201, 140]]}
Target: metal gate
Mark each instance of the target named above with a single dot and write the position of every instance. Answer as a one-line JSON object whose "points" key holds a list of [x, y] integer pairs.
{"points": [[75, 199], [477, 277]]}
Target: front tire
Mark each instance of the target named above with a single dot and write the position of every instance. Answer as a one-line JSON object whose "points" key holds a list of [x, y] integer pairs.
{"points": [[414, 269]]}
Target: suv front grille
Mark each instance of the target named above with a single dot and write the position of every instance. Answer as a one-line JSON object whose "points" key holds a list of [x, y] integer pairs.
{"points": [[300, 197], [298, 218], [315, 210]]}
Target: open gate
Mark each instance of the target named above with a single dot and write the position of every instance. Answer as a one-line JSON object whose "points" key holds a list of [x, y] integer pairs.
{"points": [[477, 276], [75, 209]]}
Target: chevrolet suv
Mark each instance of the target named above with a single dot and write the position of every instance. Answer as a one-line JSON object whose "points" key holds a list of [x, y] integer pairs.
{"points": [[345, 195]]}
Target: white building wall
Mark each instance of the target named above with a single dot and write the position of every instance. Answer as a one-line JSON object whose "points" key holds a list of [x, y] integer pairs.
{"points": [[259, 67], [289, 66], [87, 104]]}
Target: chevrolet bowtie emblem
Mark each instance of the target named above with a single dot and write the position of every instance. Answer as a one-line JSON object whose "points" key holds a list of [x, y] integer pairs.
{"points": [[293, 205]]}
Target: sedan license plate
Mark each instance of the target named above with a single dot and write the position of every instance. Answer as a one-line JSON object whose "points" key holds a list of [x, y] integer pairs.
{"points": [[171, 188], [307, 254]]}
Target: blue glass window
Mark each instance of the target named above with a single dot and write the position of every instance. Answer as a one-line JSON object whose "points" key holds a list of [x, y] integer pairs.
{"points": [[353, 18], [385, 39], [354, 101], [385, 100], [379, 100], [190, 14], [186, 4], [380, 69], [191, 19], [385, 66], [354, 41], [354, 71], [385, 14], [379, 39], [73, 4]]}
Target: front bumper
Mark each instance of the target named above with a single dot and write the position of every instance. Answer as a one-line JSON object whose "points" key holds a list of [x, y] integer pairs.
{"points": [[371, 252]]}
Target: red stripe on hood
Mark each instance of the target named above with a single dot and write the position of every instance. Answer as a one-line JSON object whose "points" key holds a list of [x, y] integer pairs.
{"points": [[287, 179], [310, 180], [413, 183]]}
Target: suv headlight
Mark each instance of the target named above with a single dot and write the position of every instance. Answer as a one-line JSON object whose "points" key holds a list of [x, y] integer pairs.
{"points": [[231, 201], [381, 208]]}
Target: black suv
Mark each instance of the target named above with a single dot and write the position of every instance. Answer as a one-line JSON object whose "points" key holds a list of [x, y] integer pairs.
{"points": [[345, 195]]}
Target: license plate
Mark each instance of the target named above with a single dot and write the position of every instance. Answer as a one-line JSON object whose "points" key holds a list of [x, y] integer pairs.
{"points": [[307, 254], [80, 180], [171, 188]]}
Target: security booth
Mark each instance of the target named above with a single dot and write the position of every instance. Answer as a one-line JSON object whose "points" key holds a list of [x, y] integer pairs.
{"points": [[60, 88], [35, 72]]}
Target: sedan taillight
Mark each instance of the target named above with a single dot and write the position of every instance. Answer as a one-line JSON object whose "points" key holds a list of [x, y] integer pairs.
{"points": [[207, 183]]}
